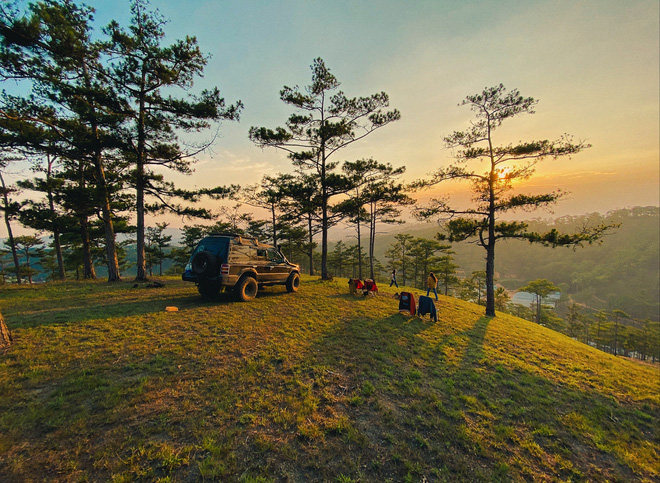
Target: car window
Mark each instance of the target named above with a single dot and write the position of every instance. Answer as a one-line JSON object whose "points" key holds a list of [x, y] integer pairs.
{"points": [[241, 254], [217, 246], [274, 255]]}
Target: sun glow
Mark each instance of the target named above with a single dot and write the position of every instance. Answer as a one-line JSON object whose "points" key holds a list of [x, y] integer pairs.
{"points": [[503, 173]]}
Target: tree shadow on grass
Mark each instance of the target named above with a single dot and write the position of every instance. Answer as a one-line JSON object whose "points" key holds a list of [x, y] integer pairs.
{"points": [[475, 348], [153, 300], [408, 411], [101, 309]]}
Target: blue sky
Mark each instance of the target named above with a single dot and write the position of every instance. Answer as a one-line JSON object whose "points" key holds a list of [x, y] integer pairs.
{"points": [[592, 64]]}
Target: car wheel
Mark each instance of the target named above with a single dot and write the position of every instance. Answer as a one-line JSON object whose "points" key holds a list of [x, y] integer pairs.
{"points": [[246, 289], [293, 282], [208, 290], [204, 263]]}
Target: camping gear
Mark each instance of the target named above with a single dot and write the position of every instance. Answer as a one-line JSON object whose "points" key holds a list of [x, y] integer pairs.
{"points": [[407, 303], [355, 285], [426, 306], [370, 287]]}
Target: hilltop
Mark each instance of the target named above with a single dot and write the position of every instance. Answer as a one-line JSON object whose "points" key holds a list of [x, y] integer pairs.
{"points": [[103, 384]]}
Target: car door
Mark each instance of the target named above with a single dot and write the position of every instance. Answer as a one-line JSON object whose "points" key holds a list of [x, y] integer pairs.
{"points": [[262, 265], [279, 269]]}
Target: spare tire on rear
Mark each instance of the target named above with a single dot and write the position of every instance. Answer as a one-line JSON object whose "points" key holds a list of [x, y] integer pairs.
{"points": [[204, 264]]}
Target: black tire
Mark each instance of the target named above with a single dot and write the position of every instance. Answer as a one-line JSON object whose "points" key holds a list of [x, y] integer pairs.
{"points": [[204, 264], [246, 289], [209, 290], [293, 282]]}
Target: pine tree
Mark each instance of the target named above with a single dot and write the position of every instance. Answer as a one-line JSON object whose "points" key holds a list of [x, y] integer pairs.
{"points": [[326, 121], [73, 112], [145, 73], [505, 164]]}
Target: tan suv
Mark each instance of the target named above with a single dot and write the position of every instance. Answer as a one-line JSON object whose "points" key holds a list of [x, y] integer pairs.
{"points": [[243, 264]]}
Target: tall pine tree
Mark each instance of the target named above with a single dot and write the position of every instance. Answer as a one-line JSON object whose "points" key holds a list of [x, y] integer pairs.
{"points": [[146, 73], [504, 165], [325, 122]]}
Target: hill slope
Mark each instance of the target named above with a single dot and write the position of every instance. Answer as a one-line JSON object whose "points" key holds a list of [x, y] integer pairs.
{"points": [[103, 384]]}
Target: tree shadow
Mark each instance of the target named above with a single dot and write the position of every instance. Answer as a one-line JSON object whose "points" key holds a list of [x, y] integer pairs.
{"points": [[127, 300], [475, 348], [103, 310], [406, 406]]}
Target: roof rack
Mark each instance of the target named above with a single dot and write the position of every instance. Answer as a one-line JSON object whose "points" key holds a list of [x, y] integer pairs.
{"points": [[240, 239], [235, 235]]}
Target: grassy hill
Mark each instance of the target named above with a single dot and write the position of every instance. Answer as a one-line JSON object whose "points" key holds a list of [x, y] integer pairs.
{"points": [[103, 384]]}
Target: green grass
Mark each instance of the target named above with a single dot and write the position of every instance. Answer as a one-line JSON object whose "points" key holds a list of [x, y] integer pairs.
{"points": [[103, 384]]}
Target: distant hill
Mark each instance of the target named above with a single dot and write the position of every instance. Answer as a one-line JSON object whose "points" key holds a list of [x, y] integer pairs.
{"points": [[621, 273]]}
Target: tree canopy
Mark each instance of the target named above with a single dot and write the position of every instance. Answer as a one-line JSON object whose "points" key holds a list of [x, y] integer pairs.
{"points": [[324, 122]]}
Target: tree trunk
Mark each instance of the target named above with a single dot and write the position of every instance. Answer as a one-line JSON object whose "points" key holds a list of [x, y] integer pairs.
{"points": [[56, 233], [359, 244], [311, 245], [324, 240], [324, 213], [141, 259], [5, 335], [372, 240], [88, 265], [27, 264], [110, 245], [616, 336], [274, 225], [139, 186], [58, 253], [10, 235], [403, 262], [490, 246], [490, 278]]}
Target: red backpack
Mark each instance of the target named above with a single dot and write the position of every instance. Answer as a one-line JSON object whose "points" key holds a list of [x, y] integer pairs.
{"points": [[407, 303]]}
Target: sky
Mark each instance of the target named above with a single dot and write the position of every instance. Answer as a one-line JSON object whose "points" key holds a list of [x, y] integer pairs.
{"points": [[593, 65]]}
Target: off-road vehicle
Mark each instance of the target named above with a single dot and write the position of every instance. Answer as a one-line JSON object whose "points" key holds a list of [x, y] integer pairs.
{"points": [[221, 262]]}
